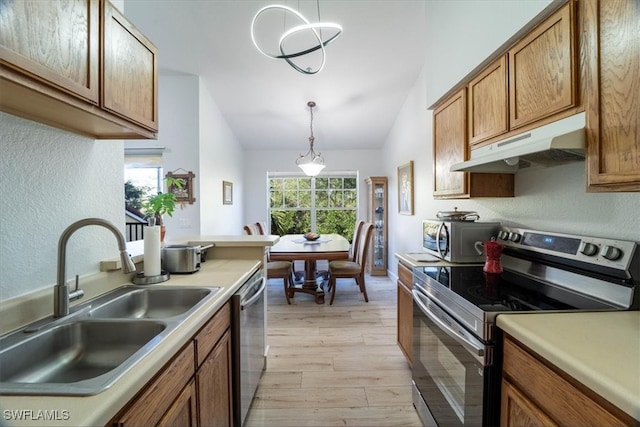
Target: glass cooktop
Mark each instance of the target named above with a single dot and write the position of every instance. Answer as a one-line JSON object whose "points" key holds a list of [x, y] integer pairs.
{"points": [[507, 291]]}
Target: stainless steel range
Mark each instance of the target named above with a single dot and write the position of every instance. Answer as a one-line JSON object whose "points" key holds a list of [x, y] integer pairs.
{"points": [[456, 357]]}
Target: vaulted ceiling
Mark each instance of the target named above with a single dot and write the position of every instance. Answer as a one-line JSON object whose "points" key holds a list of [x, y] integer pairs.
{"points": [[369, 69]]}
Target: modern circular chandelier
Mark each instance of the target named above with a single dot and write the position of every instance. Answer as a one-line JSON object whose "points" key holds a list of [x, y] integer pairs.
{"points": [[315, 29]]}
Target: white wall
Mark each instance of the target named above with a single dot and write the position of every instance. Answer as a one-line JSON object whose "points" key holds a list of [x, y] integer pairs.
{"points": [[552, 199], [463, 33], [196, 138], [50, 179], [221, 159], [258, 163]]}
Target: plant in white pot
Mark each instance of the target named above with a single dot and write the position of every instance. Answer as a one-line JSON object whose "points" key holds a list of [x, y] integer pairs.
{"points": [[162, 203]]}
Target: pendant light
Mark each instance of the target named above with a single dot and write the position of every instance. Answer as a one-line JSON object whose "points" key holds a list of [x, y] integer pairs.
{"points": [[306, 26], [311, 162]]}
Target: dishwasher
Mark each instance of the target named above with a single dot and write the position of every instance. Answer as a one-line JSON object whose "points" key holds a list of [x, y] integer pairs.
{"points": [[248, 342]]}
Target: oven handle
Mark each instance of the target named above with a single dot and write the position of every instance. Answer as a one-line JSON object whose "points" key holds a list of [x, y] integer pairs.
{"points": [[256, 296], [470, 346]]}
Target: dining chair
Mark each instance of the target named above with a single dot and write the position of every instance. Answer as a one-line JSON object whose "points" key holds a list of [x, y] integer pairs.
{"points": [[355, 241], [250, 229], [347, 269], [261, 227], [275, 269], [352, 250]]}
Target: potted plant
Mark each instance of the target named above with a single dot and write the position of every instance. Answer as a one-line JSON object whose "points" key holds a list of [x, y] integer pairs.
{"points": [[162, 203]]}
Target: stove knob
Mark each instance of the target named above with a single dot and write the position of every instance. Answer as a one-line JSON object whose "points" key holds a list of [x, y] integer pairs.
{"points": [[588, 249], [514, 237], [503, 235], [611, 253]]}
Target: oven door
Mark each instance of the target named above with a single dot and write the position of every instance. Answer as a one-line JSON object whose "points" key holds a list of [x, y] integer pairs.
{"points": [[454, 382]]}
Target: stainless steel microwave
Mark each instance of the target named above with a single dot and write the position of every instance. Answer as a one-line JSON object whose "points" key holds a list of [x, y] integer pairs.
{"points": [[454, 241]]}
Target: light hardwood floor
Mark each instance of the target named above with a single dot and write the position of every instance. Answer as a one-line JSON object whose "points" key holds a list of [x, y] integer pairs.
{"points": [[334, 365]]}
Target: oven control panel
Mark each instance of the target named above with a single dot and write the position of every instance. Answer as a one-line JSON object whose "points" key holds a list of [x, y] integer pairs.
{"points": [[616, 254]]}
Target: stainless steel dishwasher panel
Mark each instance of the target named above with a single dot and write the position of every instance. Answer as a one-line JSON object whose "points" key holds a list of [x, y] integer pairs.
{"points": [[248, 325]]}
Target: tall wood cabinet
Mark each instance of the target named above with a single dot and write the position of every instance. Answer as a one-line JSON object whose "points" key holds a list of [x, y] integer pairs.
{"points": [[377, 202], [450, 146], [78, 66], [612, 60]]}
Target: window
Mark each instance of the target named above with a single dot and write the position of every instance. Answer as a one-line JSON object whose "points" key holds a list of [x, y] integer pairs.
{"points": [[325, 205], [144, 172]]}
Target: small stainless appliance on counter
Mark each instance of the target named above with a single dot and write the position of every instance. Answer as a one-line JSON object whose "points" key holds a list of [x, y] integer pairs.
{"points": [[456, 348], [183, 258], [454, 241]]}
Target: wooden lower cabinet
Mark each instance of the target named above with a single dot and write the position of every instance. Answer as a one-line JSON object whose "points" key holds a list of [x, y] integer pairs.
{"points": [[214, 386], [536, 393], [158, 399], [405, 311], [182, 412], [194, 388]]}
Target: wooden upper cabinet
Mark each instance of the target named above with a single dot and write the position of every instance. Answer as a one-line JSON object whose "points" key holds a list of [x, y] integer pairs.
{"points": [[542, 70], [130, 74], [78, 65], [611, 36], [67, 58], [488, 103], [450, 145]]}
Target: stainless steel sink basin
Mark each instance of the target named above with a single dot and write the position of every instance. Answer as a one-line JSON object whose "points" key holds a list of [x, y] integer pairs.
{"points": [[102, 339], [151, 303], [75, 351]]}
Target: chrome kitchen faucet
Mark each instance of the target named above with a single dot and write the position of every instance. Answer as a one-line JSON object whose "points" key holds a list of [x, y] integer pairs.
{"points": [[61, 295]]}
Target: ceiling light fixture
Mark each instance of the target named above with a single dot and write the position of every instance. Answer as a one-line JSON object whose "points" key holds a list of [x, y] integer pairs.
{"points": [[315, 29], [310, 162]]}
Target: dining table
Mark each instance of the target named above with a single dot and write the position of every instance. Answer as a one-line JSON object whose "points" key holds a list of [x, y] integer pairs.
{"points": [[295, 247]]}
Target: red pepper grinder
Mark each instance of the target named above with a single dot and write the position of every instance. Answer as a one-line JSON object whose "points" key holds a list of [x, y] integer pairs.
{"points": [[492, 253]]}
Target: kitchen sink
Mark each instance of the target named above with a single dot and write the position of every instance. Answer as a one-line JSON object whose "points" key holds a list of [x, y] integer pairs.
{"points": [[85, 352], [151, 303], [75, 351]]}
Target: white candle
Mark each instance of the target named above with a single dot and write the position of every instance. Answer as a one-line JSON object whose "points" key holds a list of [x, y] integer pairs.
{"points": [[152, 251]]}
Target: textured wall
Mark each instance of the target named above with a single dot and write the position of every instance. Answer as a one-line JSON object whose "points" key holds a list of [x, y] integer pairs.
{"points": [[51, 178]]}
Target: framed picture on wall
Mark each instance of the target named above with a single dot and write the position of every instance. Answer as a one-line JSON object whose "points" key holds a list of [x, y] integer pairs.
{"points": [[405, 188], [227, 193], [184, 191]]}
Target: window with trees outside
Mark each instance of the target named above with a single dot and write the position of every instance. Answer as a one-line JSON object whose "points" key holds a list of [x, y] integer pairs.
{"points": [[326, 204]]}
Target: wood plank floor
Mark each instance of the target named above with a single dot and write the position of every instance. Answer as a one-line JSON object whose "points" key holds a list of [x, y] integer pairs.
{"points": [[334, 365]]}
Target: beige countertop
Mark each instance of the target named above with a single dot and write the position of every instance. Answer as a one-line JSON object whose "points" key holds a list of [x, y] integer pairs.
{"points": [[97, 410], [418, 259], [601, 350]]}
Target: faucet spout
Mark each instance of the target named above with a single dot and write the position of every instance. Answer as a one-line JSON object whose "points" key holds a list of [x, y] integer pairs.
{"points": [[61, 295]]}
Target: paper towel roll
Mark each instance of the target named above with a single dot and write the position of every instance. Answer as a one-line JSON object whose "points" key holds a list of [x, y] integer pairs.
{"points": [[152, 251]]}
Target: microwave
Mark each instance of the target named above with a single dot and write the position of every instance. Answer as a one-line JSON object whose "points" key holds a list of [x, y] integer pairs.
{"points": [[454, 241]]}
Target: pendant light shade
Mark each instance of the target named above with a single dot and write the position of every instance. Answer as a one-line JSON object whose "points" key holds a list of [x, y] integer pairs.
{"points": [[311, 162]]}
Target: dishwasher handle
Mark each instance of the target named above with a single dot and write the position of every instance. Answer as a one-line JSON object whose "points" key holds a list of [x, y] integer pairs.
{"points": [[256, 296]]}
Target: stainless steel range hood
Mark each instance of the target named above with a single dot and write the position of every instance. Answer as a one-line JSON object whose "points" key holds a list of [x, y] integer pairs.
{"points": [[553, 144]]}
